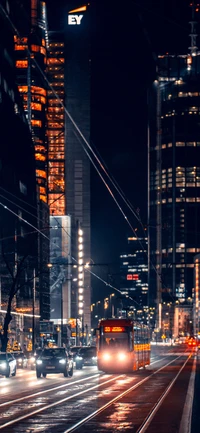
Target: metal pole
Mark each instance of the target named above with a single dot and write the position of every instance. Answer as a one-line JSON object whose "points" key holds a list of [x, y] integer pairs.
{"points": [[33, 318], [61, 315], [159, 209]]}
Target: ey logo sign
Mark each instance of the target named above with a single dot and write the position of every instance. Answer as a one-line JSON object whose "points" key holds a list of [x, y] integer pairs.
{"points": [[74, 18]]}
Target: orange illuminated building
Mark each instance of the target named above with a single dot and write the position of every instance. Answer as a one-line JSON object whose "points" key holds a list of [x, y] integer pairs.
{"points": [[31, 64], [56, 129], [32, 48]]}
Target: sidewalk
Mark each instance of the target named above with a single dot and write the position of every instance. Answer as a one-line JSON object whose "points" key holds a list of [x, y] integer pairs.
{"points": [[195, 427]]}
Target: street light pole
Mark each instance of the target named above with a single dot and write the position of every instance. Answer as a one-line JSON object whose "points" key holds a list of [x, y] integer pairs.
{"points": [[33, 318], [61, 317]]}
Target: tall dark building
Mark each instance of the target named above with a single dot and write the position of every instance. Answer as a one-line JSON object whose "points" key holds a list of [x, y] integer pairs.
{"points": [[18, 246], [134, 272], [31, 43], [174, 175], [74, 23], [77, 70]]}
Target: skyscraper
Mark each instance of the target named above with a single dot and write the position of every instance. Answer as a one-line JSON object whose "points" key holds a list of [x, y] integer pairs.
{"points": [[77, 81], [18, 246], [31, 43], [174, 174], [70, 57], [133, 271]]}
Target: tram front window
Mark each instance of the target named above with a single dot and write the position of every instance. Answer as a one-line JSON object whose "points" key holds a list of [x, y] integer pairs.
{"points": [[116, 342]]}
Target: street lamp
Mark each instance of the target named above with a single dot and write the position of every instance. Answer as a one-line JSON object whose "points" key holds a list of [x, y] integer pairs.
{"points": [[112, 309]]}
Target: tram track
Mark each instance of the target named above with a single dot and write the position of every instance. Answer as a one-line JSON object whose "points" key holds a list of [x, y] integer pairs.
{"points": [[9, 426]]}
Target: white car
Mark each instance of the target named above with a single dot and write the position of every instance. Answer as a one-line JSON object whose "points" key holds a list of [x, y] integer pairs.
{"points": [[8, 364]]}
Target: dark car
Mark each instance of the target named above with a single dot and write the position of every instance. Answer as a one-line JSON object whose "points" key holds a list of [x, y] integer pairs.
{"points": [[54, 361], [8, 364], [89, 355], [21, 359], [77, 358]]}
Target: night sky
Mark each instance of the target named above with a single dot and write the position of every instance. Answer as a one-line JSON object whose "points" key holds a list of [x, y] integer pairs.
{"points": [[125, 40]]}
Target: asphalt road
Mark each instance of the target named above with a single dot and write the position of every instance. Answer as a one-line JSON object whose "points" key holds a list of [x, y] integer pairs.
{"points": [[157, 399]]}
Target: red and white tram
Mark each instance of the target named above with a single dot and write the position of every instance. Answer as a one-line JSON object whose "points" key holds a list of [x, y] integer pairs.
{"points": [[122, 345]]}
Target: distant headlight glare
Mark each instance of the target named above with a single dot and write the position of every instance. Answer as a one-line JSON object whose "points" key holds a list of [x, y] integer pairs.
{"points": [[32, 359]]}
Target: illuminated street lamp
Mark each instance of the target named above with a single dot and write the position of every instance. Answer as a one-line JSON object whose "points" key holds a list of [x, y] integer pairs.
{"points": [[112, 305]]}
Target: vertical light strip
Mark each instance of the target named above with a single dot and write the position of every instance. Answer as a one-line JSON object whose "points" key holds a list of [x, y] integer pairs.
{"points": [[80, 273]]}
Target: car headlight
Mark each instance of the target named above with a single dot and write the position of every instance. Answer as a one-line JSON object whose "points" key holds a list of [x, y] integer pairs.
{"points": [[20, 360], [3, 365], [39, 362], [79, 358], [32, 359], [94, 358], [121, 356], [106, 356], [62, 361]]}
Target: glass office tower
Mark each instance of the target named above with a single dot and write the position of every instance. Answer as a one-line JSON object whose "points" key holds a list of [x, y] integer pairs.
{"points": [[174, 177]]}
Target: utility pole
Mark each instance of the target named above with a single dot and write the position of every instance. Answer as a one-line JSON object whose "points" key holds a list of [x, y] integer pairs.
{"points": [[33, 318], [61, 316]]}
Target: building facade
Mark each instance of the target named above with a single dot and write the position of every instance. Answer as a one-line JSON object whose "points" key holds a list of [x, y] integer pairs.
{"points": [[77, 82], [18, 247], [31, 44], [174, 178], [69, 168], [134, 271]]}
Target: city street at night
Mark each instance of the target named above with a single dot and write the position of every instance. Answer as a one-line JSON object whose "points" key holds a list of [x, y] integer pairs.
{"points": [[99, 216], [156, 399]]}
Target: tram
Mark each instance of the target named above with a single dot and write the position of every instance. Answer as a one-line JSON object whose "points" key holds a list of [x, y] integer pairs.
{"points": [[122, 345]]}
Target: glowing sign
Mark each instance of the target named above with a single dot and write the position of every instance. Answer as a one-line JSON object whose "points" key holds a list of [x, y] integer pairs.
{"points": [[134, 277], [74, 20], [81, 9], [114, 329]]}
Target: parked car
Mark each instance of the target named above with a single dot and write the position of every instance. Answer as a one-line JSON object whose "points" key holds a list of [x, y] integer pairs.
{"points": [[89, 355], [77, 358], [21, 359], [8, 364], [54, 361]]}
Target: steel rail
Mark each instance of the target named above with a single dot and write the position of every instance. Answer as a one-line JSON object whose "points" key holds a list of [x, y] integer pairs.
{"points": [[63, 400], [147, 421], [55, 388], [45, 391], [57, 403], [110, 403]]}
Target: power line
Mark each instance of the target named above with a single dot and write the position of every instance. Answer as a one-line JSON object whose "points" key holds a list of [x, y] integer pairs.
{"points": [[85, 141]]}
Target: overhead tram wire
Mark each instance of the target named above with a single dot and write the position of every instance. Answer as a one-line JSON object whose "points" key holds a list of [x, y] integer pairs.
{"points": [[83, 137], [80, 133], [76, 127], [39, 231]]}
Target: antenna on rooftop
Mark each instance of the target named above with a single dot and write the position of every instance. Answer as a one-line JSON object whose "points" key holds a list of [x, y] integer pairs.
{"points": [[193, 29]]}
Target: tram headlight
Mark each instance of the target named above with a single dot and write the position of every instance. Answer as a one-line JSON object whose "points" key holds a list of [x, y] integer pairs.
{"points": [[121, 356], [106, 356]]}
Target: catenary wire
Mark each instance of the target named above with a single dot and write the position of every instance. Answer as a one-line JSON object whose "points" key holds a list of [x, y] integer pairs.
{"points": [[77, 129]]}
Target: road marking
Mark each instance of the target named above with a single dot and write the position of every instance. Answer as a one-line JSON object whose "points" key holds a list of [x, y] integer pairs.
{"points": [[185, 425], [55, 388]]}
